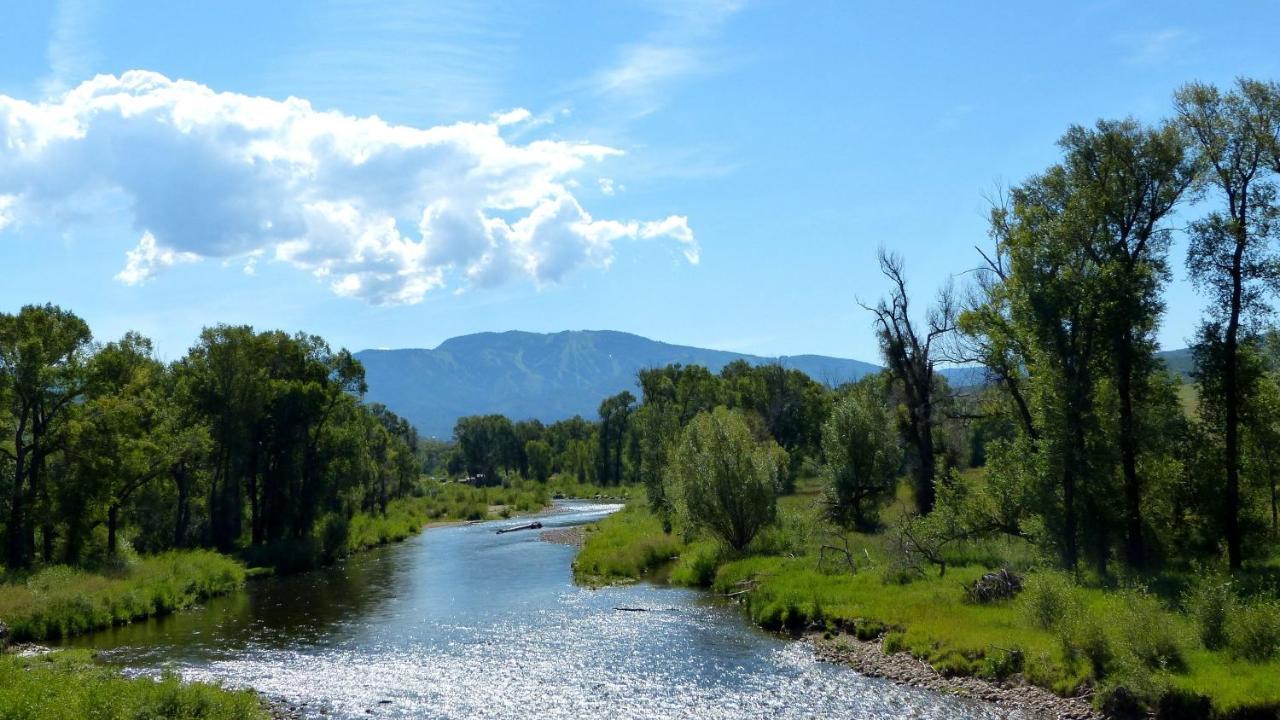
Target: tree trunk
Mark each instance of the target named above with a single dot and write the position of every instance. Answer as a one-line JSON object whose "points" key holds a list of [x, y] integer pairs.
{"points": [[1231, 392], [113, 521], [15, 557], [926, 493], [1135, 547], [182, 513]]}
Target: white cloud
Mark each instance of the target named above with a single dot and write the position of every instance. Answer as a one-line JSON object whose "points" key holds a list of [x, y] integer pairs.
{"points": [[142, 262], [607, 187], [6, 216], [381, 212], [679, 48], [512, 117], [1156, 46]]}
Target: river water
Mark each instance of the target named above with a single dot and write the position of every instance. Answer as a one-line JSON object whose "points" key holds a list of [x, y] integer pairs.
{"points": [[460, 622]]}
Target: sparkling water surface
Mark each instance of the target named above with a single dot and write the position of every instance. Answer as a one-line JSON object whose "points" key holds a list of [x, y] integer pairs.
{"points": [[460, 622]]}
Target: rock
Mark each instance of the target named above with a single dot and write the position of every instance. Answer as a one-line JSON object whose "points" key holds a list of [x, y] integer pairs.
{"points": [[4, 635]]}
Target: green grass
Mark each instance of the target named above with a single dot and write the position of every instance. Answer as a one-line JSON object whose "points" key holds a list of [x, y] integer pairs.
{"points": [[60, 601], [1138, 639], [68, 686], [628, 545]]}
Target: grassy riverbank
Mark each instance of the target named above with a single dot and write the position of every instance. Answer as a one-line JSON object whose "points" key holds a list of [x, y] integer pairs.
{"points": [[69, 686], [59, 601], [1119, 643]]}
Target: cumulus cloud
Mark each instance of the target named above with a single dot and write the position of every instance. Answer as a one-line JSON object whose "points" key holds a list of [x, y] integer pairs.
{"points": [[380, 212], [142, 262]]}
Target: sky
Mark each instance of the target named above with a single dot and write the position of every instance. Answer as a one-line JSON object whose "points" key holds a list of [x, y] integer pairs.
{"points": [[716, 173]]}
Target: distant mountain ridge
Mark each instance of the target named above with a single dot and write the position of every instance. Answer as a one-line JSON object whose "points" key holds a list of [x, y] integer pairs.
{"points": [[548, 376], [553, 376]]}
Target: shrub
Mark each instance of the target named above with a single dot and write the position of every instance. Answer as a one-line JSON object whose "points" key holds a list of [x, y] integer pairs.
{"points": [[860, 444], [1210, 602], [1147, 633], [726, 480], [1253, 631], [1083, 637], [1048, 598], [333, 533]]}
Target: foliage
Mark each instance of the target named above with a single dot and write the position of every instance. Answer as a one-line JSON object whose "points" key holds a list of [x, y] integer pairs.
{"points": [[1211, 603], [862, 456], [1253, 630], [725, 480]]}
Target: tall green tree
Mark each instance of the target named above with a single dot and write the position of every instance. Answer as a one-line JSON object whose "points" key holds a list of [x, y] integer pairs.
{"points": [[1126, 179], [43, 350], [615, 424], [1232, 256], [485, 442]]}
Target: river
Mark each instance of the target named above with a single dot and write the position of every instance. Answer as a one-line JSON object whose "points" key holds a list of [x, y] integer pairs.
{"points": [[460, 622]]}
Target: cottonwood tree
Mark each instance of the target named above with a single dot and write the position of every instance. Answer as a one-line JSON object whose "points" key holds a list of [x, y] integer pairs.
{"points": [[615, 422], [908, 350], [1040, 320], [1232, 256], [1126, 180], [43, 350]]}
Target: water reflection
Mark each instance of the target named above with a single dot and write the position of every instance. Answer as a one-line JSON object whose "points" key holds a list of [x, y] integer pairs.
{"points": [[463, 623]]}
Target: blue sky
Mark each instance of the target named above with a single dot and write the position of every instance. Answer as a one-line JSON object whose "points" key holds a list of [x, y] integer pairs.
{"points": [[777, 144]]}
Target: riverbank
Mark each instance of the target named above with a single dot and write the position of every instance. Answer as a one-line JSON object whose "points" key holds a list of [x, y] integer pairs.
{"points": [[869, 658], [59, 602], [1124, 650], [68, 685]]}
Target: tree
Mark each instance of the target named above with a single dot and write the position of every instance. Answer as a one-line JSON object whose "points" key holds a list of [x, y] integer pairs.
{"points": [[615, 422], [725, 480], [1230, 257], [538, 454], [42, 354], [1127, 179], [127, 434], [909, 354], [485, 442], [1038, 326], [862, 455], [790, 403]]}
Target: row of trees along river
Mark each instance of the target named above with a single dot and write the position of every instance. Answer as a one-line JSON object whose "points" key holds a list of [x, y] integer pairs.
{"points": [[250, 439]]}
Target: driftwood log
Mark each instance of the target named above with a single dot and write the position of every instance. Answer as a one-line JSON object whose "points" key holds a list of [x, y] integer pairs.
{"points": [[526, 526]]}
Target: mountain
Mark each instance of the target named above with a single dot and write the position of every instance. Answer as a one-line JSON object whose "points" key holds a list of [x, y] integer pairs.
{"points": [[558, 375], [545, 376], [1179, 362]]}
